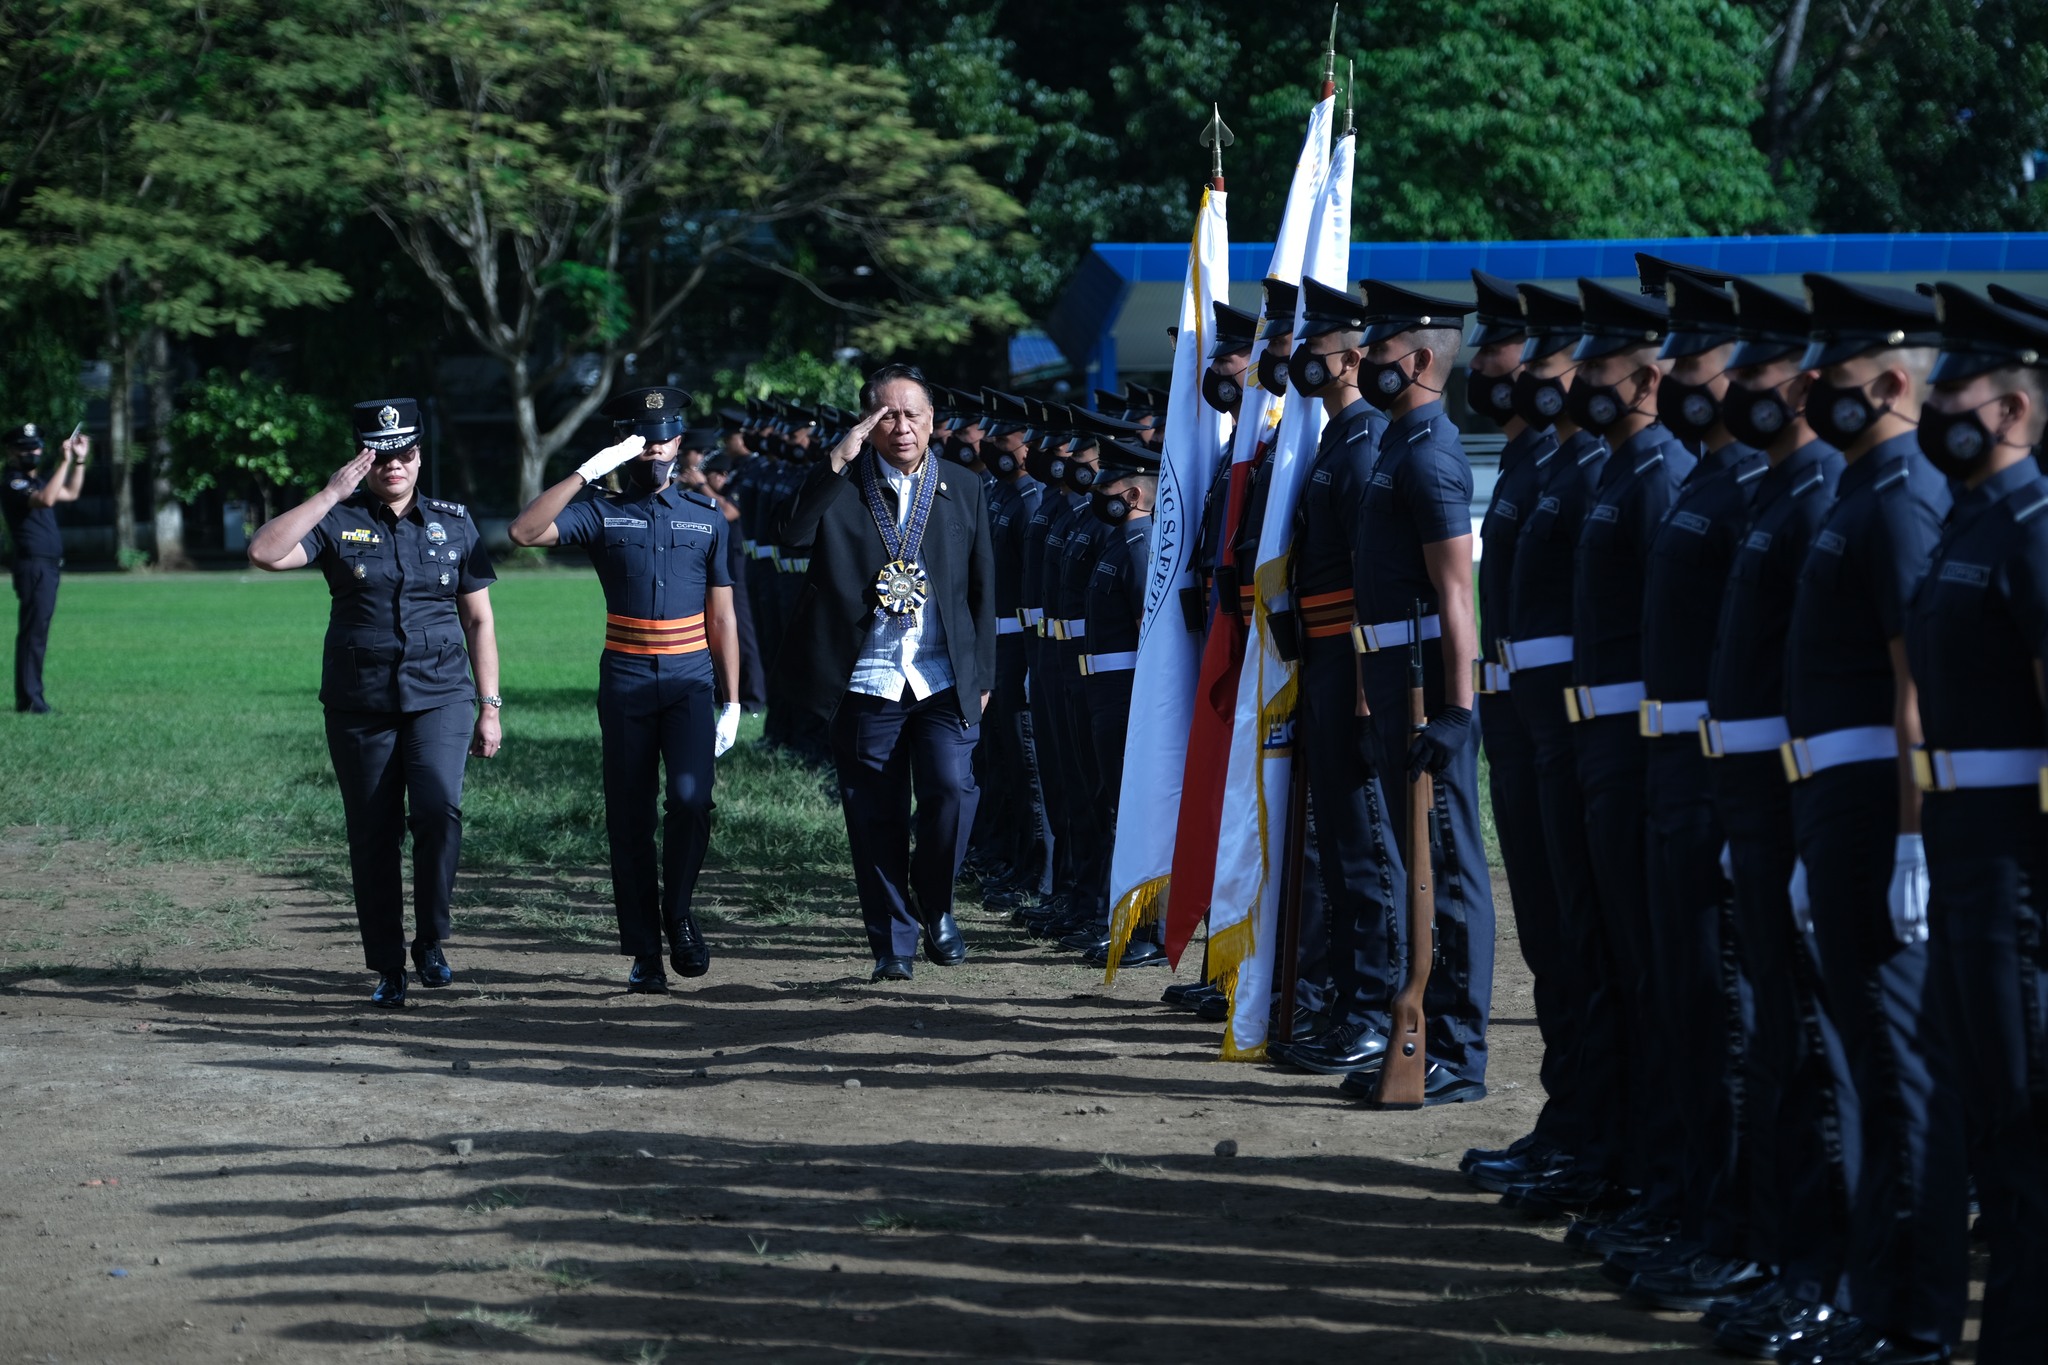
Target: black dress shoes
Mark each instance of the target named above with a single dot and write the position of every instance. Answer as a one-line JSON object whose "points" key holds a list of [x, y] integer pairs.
{"points": [[1531, 1166], [944, 944], [1695, 1286], [891, 969], [1865, 1345], [1212, 1008], [688, 953], [1790, 1329], [1139, 952], [390, 992], [1474, 1155], [1340, 1052], [647, 977], [433, 967], [1181, 994], [1440, 1085]]}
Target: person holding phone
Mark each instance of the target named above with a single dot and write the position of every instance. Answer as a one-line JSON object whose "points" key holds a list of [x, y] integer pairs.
{"points": [[409, 628], [29, 502]]}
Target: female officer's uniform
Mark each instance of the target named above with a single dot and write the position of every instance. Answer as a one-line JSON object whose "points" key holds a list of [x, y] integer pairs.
{"points": [[657, 553], [395, 680]]}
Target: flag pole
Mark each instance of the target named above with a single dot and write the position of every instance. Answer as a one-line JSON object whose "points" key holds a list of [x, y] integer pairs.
{"points": [[1330, 58], [1216, 137]]}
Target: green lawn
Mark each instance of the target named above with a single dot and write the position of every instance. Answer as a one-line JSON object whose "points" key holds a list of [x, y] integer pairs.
{"points": [[189, 727]]}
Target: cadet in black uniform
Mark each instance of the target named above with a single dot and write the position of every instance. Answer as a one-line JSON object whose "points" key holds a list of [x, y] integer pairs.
{"points": [[1413, 543], [29, 502], [1067, 575], [1045, 460], [1850, 706], [1694, 948], [1114, 605], [1028, 845], [1361, 906], [1498, 341], [411, 581], [671, 650], [1977, 637]]}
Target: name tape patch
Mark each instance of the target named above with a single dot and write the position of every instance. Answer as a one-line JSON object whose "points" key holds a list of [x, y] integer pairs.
{"points": [[1606, 511], [1975, 575], [1830, 543], [635, 522], [361, 537], [1691, 522], [703, 526]]}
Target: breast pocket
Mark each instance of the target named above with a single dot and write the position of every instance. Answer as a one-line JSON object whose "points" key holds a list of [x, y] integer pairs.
{"points": [[441, 566], [365, 566], [628, 552]]}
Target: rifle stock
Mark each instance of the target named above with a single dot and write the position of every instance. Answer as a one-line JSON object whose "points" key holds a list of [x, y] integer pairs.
{"points": [[1403, 1074]]}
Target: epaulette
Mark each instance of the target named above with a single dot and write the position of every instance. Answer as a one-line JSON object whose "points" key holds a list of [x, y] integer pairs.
{"points": [[453, 509], [702, 499], [1891, 480], [1809, 483], [2029, 502], [1754, 472], [1656, 457], [1420, 433]]}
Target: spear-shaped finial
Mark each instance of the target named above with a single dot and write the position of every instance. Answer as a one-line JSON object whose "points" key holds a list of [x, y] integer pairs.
{"points": [[1330, 57], [1216, 137], [1350, 97]]}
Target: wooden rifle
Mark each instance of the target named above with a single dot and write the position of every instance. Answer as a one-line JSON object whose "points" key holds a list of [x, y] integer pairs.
{"points": [[1403, 1073]]}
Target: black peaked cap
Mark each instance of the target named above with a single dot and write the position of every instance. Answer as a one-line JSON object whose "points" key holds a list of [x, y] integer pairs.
{"points": [[1127, 457], [1235, 330], [1615, 320], [1771, 325], [382, 424], [1499, 310], [1325, 310], [1391, 310], [2018, 302], [1702, 314], [1979, 336], [1282, 297], [1655, 272], [1852, 319], [1554, 320]]}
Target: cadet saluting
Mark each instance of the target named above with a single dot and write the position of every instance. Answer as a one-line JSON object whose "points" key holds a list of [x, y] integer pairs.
{"points": [[659, 551], [411, 584]]}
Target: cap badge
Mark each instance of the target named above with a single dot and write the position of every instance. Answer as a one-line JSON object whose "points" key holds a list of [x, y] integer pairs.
{"points": [[387, 418], [1671, 293], [29, 429], [1425, 320], [654, 399], [2030, 357], [1894, 337]]}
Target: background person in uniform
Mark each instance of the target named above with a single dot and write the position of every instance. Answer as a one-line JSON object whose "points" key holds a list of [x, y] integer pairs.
{"points": [[410, 580], [671, 648], [902, 679], [29, 502]]}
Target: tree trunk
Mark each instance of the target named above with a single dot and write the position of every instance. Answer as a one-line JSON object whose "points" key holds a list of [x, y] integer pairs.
{"points": [[533, 456], [121, 447], [170, 513]]}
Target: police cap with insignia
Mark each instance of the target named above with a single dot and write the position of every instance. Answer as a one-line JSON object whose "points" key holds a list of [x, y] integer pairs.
{"points": [[1770, 325], [731, 419], [1852, 319], [1554, 321], [1147, 399], [1281, 299], [1325, 310], [1499, 310], [699, 438], [1654, 272], [1615, 321], [1126, 458], [1235, 331], [1093, 424], [1702, 313], [720, 463], [1391, 310], [2018, 302], [1979, 336], [1004, 413], [1107, 401], [27, 436], [655, 413], [387, 424]]}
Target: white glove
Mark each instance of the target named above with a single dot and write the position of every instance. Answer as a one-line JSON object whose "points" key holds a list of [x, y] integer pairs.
{"points": [[1907, 898], [1802, 903], [728, 733], [610, 458], [1727, 861]]}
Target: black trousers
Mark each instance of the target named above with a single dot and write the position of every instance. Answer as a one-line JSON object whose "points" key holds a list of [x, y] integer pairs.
{"points": [[1108, 696], [401, 770], [1518, 820], [1591, 1024], [1460, 994], [1790, 1158], [884, 750], [753, 681], [1055, 772], [1693, 983], [35, 583], [1363, 905], [1908, 1255], [1033, 839], [1990, 869], [1087, 836], [640, 749]]}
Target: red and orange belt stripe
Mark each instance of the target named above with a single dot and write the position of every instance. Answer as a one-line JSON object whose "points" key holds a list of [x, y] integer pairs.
{"points": [[632, 635], [1326, 614]]}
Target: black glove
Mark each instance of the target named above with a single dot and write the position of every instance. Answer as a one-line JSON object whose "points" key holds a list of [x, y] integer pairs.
{"points": [[1439, 741]]}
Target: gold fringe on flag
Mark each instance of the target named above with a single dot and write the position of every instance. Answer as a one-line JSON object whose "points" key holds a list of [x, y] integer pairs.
{"points": [[1140, 906], [1228, 951]]}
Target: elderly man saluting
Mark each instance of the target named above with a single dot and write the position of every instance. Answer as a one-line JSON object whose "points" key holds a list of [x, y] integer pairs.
{"points": [[894, 640]]}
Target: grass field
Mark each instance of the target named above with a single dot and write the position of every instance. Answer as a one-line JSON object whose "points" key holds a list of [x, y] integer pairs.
{"points": [[189, 727]]}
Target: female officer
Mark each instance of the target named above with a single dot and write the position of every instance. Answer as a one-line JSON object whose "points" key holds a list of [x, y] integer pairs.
{"points": [[411, 585]]}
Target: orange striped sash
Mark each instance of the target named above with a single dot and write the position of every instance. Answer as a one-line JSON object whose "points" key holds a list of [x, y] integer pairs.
{"points": [[1325, 614], [631, 635]]}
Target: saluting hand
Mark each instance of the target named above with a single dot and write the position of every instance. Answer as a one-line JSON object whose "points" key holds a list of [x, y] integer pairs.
{"points": [[345, 479], [610, 458], [489, 736], [850, 444]]}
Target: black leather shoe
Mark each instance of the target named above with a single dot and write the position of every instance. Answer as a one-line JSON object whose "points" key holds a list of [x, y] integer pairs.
{"points": [[1306, 1026], [688, 953], [944, 944], [891, 969], [647, 977], [1696, 1285], [1788, 1330], [1181, 994], [1759, 1301], [1088, 938], [1440, 1085], [1865, 1345], [1637, 1230], [1532, 1166], [390, 992], [1572, 1192], [1526, 1143], [1139, 952], [1213, 1009], [1358, 1047], [433, 967]]}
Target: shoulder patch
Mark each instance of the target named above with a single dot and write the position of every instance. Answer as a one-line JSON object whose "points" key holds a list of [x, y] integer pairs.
{"points": [[453, 509], [2028, 503]]}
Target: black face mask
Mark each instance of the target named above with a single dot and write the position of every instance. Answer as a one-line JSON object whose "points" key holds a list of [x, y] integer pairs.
{"points": [[1690, 410], [1221, 392], [1595, 407], [1755, 417], [1006, 461], [1491, 396], [1380, 382], [1112, 508], [644, 476], [956, 450], [1038, 463], [1955, 443], [1079, 477], [1307, 371], [1538, 401], [1273, 373], [1840, 415]]}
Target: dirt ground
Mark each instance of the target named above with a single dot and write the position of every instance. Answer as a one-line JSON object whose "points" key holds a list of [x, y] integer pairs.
{"points": [[212, 1150]]}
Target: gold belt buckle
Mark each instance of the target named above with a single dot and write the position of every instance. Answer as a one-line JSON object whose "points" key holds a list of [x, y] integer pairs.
{"points": [[1927, 774], [1479, 678], [1797, 758], [2044, 791], [1650, 719], [1710, 738], [1085, 669], [1362, 639], [1571, 705]]}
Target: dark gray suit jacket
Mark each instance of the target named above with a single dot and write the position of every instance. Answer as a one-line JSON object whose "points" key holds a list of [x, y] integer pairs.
{"points": [[830, 521]]}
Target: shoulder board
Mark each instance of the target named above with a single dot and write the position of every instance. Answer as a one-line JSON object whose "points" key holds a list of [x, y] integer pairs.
{"points": [[2029, 503], [1808, 484], [1143, 531], [1753, 472], [701, 499], [453, 509], [1651, 461], [1891, 480], [1420, 433]]}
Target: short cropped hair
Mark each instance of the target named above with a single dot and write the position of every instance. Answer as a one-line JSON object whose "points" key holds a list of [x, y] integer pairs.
{"points": [[891, 374]]}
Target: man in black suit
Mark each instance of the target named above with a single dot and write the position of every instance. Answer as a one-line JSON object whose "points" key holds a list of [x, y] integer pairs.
{"points": [[894, 640]]}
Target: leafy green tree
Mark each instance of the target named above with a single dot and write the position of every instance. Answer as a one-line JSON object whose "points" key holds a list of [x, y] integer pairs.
{"points": [[794, 374], [254, 438]]}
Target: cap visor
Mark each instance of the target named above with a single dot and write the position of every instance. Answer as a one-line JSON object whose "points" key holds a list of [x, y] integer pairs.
{"points": [[1763, 352], [1493, 333], [1680, 344], [1953, 367]]}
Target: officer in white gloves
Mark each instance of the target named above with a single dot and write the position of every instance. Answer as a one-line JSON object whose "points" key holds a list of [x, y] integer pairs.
{"points": [[671, 650]]}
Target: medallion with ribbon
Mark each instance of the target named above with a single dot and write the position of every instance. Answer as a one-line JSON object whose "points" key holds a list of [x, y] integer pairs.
{"points": [[901, 586]]}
